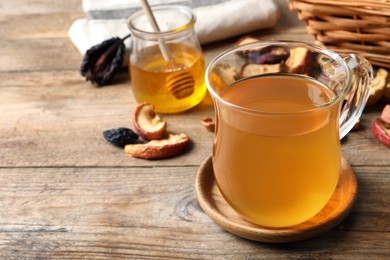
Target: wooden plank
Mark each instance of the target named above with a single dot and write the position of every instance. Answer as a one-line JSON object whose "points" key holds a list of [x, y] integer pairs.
{"points": [[34, 26], [118, 196], [161, 243], [57, 119], [38, 55], [150, 212], [17, 7]]}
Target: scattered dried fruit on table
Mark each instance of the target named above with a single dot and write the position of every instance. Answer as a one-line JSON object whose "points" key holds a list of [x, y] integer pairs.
{"points": [[102, 61], [158, 149], [208, 123], [378, 86], [147, 123], [249, 69], [120, 136], [381, 131], [299, 60], [385, 116]]}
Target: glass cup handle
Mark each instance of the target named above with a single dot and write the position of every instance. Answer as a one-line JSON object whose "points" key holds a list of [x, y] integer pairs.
{"points": [[356, 99]]}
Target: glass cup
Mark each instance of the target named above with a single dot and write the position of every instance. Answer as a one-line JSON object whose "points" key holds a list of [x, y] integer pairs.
{"points": [[167, 67], [281, 110]]}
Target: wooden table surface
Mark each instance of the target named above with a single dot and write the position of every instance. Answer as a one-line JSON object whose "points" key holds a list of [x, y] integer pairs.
{"points": [[65, 193]]}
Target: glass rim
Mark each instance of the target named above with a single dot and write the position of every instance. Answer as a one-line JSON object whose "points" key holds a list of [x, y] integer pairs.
{"points": [[317, 48], [181, 28]]}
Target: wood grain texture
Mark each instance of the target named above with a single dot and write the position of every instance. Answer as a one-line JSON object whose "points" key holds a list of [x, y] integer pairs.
{"points": [[150, 212], [34, 26], [58, 119], [65, 193], [43, 7], [38, 55]]}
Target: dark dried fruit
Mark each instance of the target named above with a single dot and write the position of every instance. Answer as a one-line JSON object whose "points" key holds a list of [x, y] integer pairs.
{"points": [[262, 54], [120, 136], [268, 55], [102, 61]]}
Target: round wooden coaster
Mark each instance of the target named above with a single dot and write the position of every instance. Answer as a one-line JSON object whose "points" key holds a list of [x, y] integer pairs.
{"points": [[215, 206]]}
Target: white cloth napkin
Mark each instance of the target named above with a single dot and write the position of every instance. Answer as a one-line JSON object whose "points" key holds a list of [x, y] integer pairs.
{"points": [[216, 19]]}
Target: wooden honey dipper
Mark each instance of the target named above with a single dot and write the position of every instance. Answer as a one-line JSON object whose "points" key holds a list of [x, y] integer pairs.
{"points": [[180, 85]]}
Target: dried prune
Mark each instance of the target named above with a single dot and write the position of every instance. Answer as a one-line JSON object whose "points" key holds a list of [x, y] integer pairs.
{"points": [[268, 55], [120, 136], [102, 61]]}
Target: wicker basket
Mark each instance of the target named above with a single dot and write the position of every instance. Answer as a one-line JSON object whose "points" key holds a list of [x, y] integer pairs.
{"points": [[349, 26]]}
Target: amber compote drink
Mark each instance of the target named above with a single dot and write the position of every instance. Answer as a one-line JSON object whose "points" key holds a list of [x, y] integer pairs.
{"points": [[258, 164], [276, 155]]}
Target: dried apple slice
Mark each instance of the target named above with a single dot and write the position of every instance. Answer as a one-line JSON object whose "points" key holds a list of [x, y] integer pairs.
{"points": [[298, 60], [147, 123], [385, 116], [247, 40], [158, 149], [381, 131], [249, 69], [378, 86]]}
